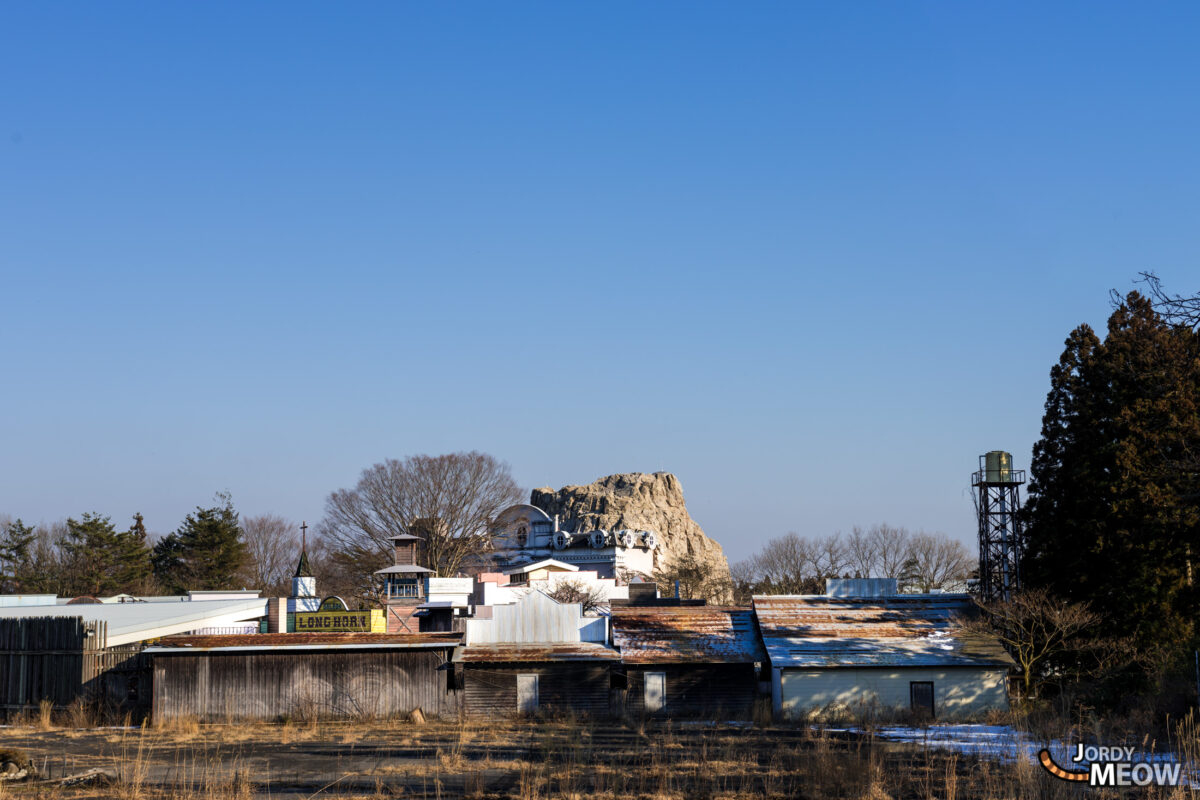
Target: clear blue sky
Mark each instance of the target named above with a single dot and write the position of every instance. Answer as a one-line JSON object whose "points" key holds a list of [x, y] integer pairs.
{"points": [[812, 258]]}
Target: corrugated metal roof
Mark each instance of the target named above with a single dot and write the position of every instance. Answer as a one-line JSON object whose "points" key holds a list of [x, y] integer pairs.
{"points": [[685, 635], [307, 641], [534, 652], [136, 622], [902, 630]]}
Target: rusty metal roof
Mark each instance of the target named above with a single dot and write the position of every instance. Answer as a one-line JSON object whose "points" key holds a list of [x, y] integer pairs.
{"points": [[534, 652], [307, 641], [685, 635], [900, 630]]}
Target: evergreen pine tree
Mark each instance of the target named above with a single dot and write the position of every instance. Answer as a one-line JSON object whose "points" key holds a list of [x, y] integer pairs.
{"points": [[133, 557], [1112, 518], [16, 556], [206, 552], [93, 555]]}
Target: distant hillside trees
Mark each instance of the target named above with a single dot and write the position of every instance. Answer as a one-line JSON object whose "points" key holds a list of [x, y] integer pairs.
{"points": [[1113, 515], [795, 564]]}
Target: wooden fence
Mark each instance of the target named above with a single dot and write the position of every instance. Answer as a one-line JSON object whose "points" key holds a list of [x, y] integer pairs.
{"points": [[62, 659]]}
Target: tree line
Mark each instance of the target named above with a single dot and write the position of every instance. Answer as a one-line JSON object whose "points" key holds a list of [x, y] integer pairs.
{"points": [[795, 564], [449, 500], [213, 548]]}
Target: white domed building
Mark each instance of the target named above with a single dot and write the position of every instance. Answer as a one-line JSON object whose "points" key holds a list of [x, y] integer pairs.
{"points": [[525, 534]]}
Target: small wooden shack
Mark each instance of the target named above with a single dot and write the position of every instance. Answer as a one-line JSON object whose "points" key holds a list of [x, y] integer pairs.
{"points": [[276, 676], [534, 655], [686, 661], [500, 679]]}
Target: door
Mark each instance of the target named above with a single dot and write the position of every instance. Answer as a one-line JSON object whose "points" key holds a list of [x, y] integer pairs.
{"points": [[921, 695], [656, 691], [527, 694]]}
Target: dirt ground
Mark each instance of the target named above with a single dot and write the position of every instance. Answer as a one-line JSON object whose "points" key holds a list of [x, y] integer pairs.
{"points": [[507, 758]]}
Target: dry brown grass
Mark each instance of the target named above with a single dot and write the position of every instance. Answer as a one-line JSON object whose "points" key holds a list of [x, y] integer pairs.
{"points": [[542, 758]]}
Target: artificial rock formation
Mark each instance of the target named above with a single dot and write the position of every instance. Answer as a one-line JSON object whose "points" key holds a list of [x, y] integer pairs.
{"points": [[635, 501]]}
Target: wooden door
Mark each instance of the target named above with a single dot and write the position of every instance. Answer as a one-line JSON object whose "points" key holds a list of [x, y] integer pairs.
{"points": [[527, 694], [656, 691], [921, 696]]}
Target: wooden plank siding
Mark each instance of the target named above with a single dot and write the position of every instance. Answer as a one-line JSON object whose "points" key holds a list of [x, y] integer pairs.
{"points": [[274, 685], [712, 691], [564, 686], [64, 659]]}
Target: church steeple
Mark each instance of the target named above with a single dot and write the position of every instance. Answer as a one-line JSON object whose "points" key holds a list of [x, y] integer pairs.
{"points": [[304, 584], [302, 569]]}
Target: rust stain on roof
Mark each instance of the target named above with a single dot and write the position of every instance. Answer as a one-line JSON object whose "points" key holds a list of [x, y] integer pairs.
{"points": [[283, 640], [685, 635], [900, 630], [534, 652]]}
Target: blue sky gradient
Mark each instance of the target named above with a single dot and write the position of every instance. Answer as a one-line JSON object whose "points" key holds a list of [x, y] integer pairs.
{"points": [[812, 258]]}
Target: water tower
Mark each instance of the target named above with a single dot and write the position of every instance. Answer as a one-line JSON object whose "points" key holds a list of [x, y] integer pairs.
{"points": [[1001, 539]]}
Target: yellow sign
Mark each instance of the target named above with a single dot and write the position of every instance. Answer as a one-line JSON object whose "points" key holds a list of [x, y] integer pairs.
{"points": [[341, 621]]}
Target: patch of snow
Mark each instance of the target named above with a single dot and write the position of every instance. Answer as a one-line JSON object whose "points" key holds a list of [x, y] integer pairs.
{"points": [[1001, 743]]}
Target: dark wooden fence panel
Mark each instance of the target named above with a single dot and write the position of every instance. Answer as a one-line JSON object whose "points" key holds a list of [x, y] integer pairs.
{"points": [[273, 685], [41, 658]]}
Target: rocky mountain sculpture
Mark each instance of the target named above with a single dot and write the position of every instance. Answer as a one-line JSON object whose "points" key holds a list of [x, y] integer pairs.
{"points": [[635, 501]]}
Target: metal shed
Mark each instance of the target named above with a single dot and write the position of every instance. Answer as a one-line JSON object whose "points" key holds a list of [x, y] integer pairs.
{"points": [[273, 676], [681, 661], [862, 655]]}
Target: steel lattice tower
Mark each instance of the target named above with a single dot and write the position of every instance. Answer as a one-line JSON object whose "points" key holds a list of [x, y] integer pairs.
{"points": [[1001, 538]]}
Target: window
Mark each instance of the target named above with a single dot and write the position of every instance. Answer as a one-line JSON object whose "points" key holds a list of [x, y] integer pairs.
{"points": [[522, 536], [403, 587]]}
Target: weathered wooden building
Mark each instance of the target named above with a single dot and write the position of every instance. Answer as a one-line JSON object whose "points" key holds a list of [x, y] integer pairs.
{"points": [[686, 661], [500, 679], [889, 652], [534, 655], [276, 676]]}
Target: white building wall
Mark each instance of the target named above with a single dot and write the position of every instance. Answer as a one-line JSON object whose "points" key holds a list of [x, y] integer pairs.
{"points": [[535, 618], [957, 691]]}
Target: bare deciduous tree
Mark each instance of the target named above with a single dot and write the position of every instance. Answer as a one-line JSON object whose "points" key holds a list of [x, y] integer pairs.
{"points": [[273, 544], [890, 546], [449, 500], [787, 565], [860, 553], [1174, 308], [795, 564], [696, 577], [935, 561], [1035, 628], [832, 558], [589, 596]]}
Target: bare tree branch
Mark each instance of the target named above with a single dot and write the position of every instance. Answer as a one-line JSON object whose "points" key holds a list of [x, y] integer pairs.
{"points": [[448, 500]]}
